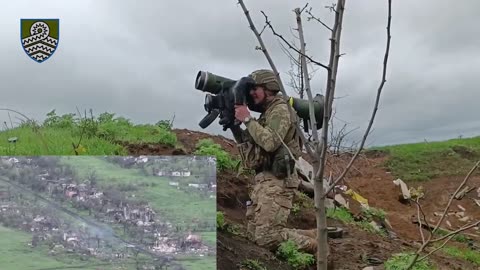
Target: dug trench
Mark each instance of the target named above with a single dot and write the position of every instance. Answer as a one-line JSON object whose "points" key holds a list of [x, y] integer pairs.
{"points": [[357, 248]]}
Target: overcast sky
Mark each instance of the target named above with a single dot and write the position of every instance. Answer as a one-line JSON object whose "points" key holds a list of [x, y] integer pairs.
{"points": [[139, 59]]}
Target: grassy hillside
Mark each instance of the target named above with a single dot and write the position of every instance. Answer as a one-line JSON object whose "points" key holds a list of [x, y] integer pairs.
{"points": [[423, 161], [66, 135]]}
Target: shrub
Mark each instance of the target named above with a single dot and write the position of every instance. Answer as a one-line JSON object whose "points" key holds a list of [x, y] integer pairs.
{"points": [[402, 260], [207, 147], [298, 260]]}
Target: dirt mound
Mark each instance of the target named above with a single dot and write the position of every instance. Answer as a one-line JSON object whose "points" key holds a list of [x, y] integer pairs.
{"points": [[232, 195], [465, 152], [189, 139], [152, 149]]}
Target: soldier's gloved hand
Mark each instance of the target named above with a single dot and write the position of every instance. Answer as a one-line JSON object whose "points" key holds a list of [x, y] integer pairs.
{"points": [[241, 112]]}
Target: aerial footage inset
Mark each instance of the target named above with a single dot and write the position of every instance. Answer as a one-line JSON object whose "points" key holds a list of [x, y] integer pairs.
{"points": [[108, 212]]}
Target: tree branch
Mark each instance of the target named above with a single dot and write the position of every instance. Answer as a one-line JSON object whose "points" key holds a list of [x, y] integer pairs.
{"points": [[424, 216], [379, 91], [330, 89], [289, 54], [464, 228], [306, 5], [317, 19], [420, 221], [10, 110], [290, 45], [453, 196], [35, 127], [452, 234], [436, 249], [307, 89]]}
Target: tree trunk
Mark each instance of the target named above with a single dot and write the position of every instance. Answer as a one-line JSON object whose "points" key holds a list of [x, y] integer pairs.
{"points": [[319, 168], [322, 246]]}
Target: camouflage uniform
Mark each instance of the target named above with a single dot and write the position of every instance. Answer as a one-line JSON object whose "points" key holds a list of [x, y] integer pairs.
{"points": [[261, 149]]}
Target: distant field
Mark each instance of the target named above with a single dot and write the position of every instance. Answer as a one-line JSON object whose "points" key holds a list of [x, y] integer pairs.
{"points": [[209, 237], [423, 161], [205, 263]]}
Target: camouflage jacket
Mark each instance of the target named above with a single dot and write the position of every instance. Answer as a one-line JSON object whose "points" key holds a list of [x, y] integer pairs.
{"points": [[261, 146]]}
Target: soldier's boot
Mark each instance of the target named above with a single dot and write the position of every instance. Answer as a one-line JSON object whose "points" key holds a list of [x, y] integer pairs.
{"points": [[310, 233], [304, 242], [332, 232], [303, 239]]}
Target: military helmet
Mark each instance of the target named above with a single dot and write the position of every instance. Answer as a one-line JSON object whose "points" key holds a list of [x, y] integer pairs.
{"points": [[267, 78]]}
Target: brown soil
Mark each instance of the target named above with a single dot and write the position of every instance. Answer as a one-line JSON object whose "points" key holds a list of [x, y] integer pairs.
{"points": [[189, 139], [465, 152], [357, 248], [152, 149], [233, 250], [375, 184], [186, 138]]}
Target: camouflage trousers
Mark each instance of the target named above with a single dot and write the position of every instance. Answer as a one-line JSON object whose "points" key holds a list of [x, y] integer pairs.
{"points": [[267, 215]]}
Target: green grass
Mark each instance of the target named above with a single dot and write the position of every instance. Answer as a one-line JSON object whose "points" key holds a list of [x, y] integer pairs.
{"points": [[423, 161], [253, 265], [207, 147], [402, 260], [195, 263], [220, 220], [210, 238], [289, 252], [224, 226], [100, 135], [459, 237], [463, 254], [53, 141], [342, 214]]}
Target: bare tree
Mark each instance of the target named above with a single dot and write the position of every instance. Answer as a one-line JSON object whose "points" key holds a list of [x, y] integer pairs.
{"points": [[377, 101], [338, 138], [317, 149], [296, 72], [301, 76]]}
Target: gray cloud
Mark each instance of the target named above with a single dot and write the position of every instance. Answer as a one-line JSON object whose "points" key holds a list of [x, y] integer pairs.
{"points": [[139, 59]]}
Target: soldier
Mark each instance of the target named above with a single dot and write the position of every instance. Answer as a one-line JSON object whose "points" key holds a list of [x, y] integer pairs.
{"points": [[276, 179]]}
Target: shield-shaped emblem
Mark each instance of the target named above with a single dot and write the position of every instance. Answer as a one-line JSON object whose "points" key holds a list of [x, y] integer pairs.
{"points": [[39, 37]]}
